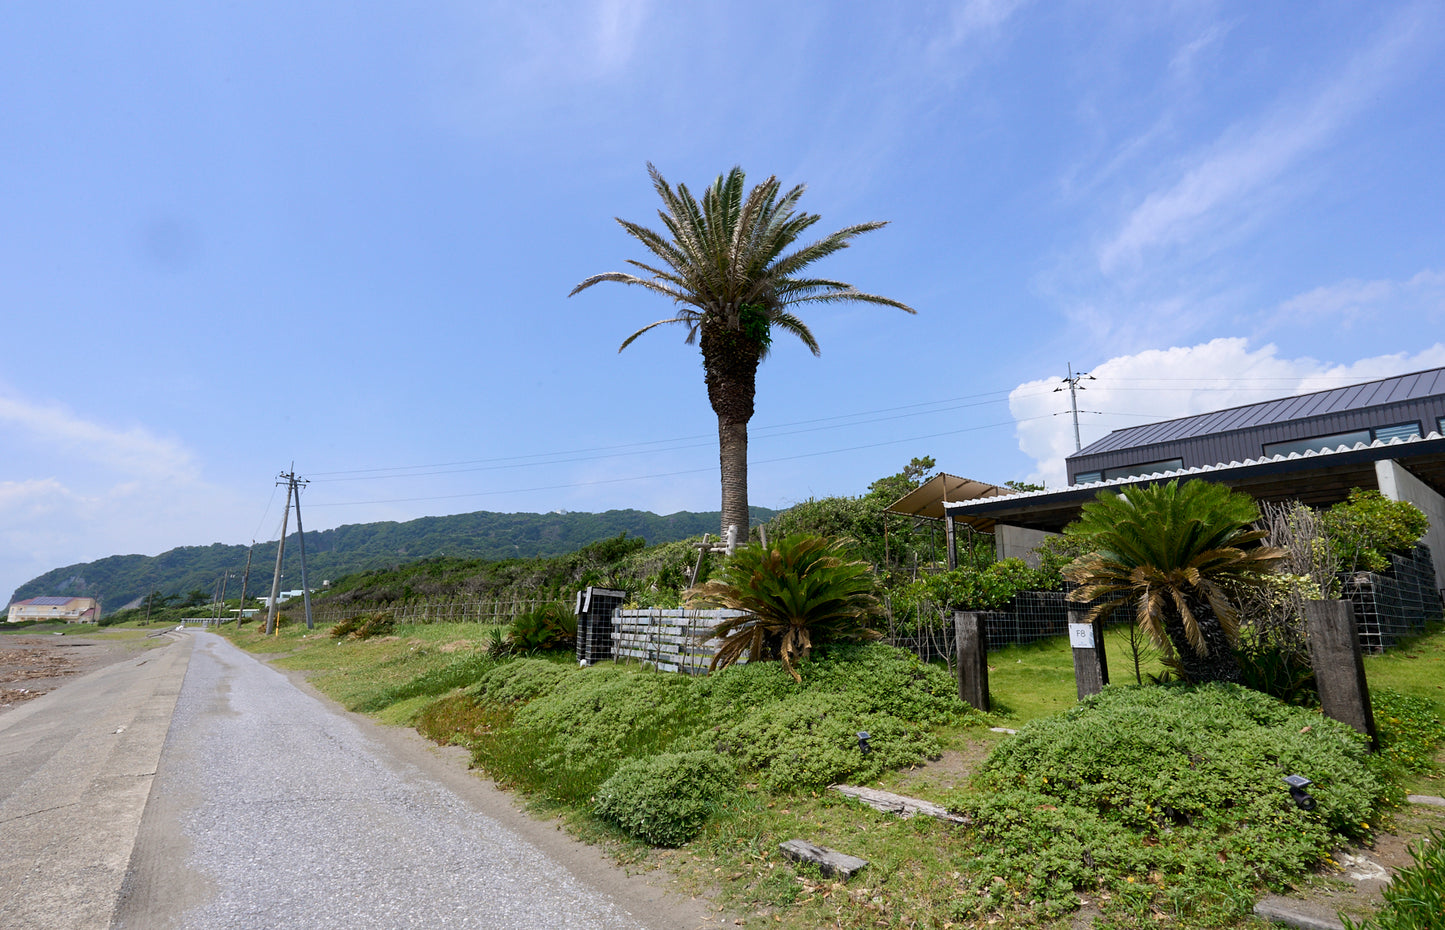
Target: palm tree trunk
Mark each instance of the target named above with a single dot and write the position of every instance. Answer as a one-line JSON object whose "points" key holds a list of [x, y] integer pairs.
{"points": [[730, 360], [1220, 664], [732, 453]]}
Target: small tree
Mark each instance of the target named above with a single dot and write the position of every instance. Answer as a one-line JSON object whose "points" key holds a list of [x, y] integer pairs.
{"points": [[1174, 551], [799, 591]]}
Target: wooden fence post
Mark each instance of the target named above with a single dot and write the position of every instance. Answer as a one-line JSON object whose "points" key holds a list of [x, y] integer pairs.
{"points": [[971, 637], [1091, 666], [1334, 642]]}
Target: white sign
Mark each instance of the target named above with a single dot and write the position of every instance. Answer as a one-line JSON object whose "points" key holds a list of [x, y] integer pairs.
{"points": [[1081, 635]]}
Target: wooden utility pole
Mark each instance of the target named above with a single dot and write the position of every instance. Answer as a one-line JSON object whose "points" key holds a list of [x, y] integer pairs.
{"points": [[276, 576], [298, 484], [245, 578]]}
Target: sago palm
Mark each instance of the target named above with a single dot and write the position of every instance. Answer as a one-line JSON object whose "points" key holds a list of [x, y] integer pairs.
{"points": [[1173, 552], [733, 267], [799, 591]]}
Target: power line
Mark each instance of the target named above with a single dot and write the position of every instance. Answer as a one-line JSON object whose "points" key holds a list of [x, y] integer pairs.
{"points": [[651, 447], [673, 474]]}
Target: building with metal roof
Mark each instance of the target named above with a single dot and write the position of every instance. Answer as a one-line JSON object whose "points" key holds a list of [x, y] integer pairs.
{"points": [[65, 609], [1386, 435]]}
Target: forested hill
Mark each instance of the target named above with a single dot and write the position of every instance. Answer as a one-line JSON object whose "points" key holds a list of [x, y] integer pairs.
{"points": [[121, 579]]}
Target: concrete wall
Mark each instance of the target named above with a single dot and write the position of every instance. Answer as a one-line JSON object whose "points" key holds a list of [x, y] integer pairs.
{"points": [[1399, 485], [1017, 542]]}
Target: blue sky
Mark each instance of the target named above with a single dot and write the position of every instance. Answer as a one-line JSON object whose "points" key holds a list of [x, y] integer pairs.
{"points": [[234, 236]]}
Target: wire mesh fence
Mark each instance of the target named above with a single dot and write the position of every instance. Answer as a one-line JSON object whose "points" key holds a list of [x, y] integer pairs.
{"points": [[1388, 607], [487, 610]]}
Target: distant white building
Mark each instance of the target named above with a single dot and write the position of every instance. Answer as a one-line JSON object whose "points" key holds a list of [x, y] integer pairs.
{"points": [[283, 597], [68, 609]]}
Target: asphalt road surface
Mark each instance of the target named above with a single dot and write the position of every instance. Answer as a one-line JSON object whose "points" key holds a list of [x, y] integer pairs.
{"points": [[269, 808]]}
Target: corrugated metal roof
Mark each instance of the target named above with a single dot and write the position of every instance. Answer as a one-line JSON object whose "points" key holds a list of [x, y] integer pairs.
{"points": [[48, 601], [954, 507], [1413, 386]]}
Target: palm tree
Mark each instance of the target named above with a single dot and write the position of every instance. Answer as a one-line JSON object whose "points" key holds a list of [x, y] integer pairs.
{"points": [[1173, 551], [731, 266], [800, 591]]}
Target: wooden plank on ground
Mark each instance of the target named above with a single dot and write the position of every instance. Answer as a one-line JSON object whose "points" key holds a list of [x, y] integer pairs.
{"points": [[905, 807], [828, 861]]}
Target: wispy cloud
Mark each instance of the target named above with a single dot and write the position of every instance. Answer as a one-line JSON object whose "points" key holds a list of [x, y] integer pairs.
{"points": [[1224, 184], [135, 451], [1421, 299]]}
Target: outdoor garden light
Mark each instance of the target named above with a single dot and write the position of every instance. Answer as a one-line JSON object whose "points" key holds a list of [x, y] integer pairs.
{"points": [[863, 746], [1302, 798]]}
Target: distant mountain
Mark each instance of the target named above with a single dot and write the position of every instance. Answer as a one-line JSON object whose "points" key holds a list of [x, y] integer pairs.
{"points": [[121, 579]]}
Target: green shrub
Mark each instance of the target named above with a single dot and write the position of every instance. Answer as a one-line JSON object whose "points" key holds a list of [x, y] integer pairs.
{"points": [[1415, 898], [344, 628], [1367, 526], [549, 626], [380, 623], [988, 588], [1174, 788], [890, 681], [810, 741], [594, 719], [798, 591], [883, 679], [665, 799]]}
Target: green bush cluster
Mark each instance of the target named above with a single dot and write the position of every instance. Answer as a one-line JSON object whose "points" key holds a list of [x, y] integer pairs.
{"points": [[519, 680], [360, 626], [987, 588], [579, 732], [667, 798], [560, 732], [1169, 787], [1367, 527], [1415, 897], [548, 626], [810, 741]]}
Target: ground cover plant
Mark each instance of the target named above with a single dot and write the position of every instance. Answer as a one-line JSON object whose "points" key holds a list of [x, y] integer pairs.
{"points": [[1180, 787]]}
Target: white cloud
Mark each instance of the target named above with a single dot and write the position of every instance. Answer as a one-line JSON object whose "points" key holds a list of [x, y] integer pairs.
{"points": [[92, 490], [1161, 384], [1227, 185]]}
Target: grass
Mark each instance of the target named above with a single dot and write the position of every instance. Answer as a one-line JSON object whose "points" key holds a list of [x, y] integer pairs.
{"points": [[919, 869]]}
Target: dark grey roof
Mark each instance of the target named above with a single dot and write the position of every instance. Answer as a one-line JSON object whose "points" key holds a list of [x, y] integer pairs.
{"points": [[1354, 397], [48, 601]]}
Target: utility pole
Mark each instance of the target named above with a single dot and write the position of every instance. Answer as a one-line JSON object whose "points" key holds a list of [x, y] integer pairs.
{"points": [[280, 549], [1074, 388], [298, 484], [245, 578], [293, 492]]}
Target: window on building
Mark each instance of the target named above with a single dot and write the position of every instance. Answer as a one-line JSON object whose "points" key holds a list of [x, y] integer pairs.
{"points": [[1147, 468], [1317, 443], [1398, 431], [1088, 477], [1440, 426]]}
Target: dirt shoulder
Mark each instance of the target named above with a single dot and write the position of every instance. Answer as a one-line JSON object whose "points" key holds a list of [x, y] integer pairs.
{"points": [[32, 664]]}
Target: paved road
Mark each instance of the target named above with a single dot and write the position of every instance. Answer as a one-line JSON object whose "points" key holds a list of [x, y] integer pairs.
{"points": [[76, 767], [271, 809]]}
